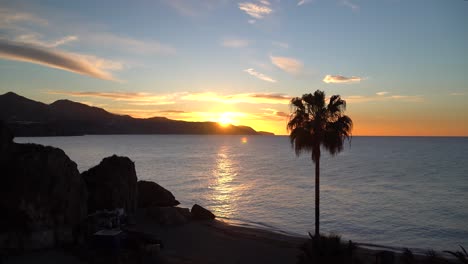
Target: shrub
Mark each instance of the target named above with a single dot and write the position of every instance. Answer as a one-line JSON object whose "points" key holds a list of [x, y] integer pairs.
{"points": [[327, 249]]}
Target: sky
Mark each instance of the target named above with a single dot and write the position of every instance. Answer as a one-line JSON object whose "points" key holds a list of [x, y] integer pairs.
{"points": [[401, 65]]}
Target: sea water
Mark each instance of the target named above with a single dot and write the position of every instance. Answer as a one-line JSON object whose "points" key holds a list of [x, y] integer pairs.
{"points": [[394, 191]]}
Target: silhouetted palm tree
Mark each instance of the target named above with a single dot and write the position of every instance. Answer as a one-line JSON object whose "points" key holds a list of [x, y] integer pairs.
{"points": [[313, 124]]}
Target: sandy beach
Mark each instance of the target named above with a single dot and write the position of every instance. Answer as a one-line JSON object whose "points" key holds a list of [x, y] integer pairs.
{"points": [[201, 242], [218, 242]]}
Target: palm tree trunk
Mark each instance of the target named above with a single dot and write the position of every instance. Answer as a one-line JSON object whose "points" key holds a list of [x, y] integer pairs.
{"points": [[317, 198]]}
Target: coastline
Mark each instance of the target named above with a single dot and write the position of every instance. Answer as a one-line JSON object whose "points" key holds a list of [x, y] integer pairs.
{"points": [[206, 242]]}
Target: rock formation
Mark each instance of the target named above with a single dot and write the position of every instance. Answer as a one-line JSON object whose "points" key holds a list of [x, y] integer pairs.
{"points": [[112, 184], [42, 195], [152, 194], [200, 213]]}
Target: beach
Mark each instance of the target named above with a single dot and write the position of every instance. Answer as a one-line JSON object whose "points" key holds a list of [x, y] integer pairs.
{"points": [[199, 242]]}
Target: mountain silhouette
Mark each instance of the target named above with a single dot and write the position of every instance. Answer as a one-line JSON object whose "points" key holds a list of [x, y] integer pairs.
{"points": [[27, 117]]}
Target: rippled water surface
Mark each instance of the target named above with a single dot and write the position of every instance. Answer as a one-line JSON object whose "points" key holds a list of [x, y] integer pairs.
{"points": [[398, 191]]}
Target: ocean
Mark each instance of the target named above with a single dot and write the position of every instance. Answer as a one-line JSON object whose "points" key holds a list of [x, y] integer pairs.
{"points": [[392, 191]]}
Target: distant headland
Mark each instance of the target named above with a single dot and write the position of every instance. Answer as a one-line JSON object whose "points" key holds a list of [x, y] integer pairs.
{"points": [[28, 118]]}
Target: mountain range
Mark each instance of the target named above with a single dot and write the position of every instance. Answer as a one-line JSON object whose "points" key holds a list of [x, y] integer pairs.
{"points": [[26, 117]]}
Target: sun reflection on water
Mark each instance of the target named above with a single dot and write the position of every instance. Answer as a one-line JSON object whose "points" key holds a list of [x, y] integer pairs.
{"points": [[225, 191]]}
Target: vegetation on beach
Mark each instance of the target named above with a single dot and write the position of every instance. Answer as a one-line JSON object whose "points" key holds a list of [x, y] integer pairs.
{"points": [[328, 249], [462, 257], [314, 124]]}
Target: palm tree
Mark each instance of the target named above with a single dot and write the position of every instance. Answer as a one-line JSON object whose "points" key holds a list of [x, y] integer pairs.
{"points": [[313, 125]]}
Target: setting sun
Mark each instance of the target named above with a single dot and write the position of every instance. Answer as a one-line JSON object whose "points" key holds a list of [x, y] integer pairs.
{"points": [[225, 120]]}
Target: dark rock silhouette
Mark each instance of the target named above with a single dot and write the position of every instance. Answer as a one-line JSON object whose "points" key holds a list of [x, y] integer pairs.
{"points": [[64, 118], [6, 140], [152, 194], [200, 213], [112, 184], [42, 195]]}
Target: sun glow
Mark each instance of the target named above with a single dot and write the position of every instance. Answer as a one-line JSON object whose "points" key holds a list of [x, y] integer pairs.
{"points": [[225, 120]]}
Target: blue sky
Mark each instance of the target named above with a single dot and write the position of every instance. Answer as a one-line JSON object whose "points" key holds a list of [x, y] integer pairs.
{"points": [[399, 64]]}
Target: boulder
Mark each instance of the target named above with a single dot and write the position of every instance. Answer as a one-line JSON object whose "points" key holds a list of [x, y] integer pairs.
{"points": [[42, 195], [6, 140], [168, 215], [152, 194], [112, 184], [200, 213]]}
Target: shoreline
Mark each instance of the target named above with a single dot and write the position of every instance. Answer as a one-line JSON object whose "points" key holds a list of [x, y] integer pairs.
{"points": [[212, 241], [274, 231], [263, 246]]}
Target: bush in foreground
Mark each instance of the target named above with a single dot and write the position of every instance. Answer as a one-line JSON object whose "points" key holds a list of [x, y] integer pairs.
{"points": [[328, 249]]}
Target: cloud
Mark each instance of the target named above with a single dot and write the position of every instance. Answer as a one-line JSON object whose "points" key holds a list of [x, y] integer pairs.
{"points": [[302, 2], [140, 99], [143, 99], [341, 79], [280, 44], [274, 96], [72, 62], [351, 5], [289, 65], [235, 43], [384, 98], [194, 8], [381, 93], [282, 114], [111, 95], [251, 98], [273, 114], [255, 10], [172, 111], [457, 94], [35, 39], [407, 98], [113, 41], [9, 18], [20, 31], [260, 76]]}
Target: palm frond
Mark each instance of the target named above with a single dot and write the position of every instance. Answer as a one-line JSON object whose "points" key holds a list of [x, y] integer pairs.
{"points": [[313, 123]]}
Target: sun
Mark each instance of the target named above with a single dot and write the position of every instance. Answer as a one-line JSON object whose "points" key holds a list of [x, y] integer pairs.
{"points": [[225, 120]]}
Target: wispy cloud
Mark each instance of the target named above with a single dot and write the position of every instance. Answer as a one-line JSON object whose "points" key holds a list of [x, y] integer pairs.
{"points": [[273, 96], [381, 93], [279, 44], [276, 113], [35, 39], [457, 94], [260, 76], [289, 65], [341, 79], [72, 62], [141, 99], [172, 111], [194, 8], [351, 5], [22, 27], [407, 98], [257, 11], [161, 99], [11, 18], [302, 2], [235, 43], [128, 44], [383, 98], [252, 98]]}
